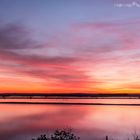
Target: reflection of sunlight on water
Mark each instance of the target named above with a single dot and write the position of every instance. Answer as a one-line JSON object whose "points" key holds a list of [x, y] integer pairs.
{"points": [[89, 122], [111, 101]]}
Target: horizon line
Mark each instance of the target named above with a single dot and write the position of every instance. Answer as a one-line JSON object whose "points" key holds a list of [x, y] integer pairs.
{"points": [[69, 96]]}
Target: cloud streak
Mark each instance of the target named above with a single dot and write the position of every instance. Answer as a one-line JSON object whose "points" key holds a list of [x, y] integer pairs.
{"points": [[90, 57]]}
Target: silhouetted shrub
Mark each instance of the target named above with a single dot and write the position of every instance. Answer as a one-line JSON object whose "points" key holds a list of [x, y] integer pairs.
{"points": [[65, 134]]}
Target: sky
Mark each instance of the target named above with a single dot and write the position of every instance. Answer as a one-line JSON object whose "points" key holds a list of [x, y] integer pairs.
{"points": [[69, 46]]}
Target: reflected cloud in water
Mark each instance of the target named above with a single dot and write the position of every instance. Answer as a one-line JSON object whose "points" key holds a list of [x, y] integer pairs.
{"points": [[25, 122]]}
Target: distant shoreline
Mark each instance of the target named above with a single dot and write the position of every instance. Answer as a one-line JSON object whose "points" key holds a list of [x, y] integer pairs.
{"points": [[68, 103], [68, 96]]}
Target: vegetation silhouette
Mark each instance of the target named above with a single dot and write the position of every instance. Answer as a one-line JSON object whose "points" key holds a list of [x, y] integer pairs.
{"points": [[67, 134], [64, 134], [135, 136]]}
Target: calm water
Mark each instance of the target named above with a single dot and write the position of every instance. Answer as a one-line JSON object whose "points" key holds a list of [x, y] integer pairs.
{"points": [[24, 122]]}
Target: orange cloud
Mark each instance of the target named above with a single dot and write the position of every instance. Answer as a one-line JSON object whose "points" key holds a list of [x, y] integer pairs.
{"points": [[95, 57]]}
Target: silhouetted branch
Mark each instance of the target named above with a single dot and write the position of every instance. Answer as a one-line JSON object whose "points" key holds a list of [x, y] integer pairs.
{"points": [[65, 134]]}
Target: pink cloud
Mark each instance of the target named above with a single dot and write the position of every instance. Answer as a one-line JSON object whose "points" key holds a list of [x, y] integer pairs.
{"points": [[89, 55]]}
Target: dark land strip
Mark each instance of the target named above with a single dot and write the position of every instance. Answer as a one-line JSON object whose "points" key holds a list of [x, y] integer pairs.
{"points": [[66, 103], [68, 96]]}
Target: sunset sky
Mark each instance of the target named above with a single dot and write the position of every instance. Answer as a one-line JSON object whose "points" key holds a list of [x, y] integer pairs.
{"points": [[66, 46]]}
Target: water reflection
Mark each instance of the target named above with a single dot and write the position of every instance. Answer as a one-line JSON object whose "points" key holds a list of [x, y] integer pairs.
{"points": [[25, 122], [104, 101]]}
